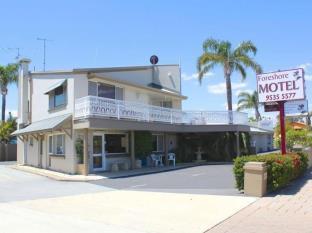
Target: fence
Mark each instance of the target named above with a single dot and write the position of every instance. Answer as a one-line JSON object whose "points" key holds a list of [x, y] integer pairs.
{"points": [[8, 152]]}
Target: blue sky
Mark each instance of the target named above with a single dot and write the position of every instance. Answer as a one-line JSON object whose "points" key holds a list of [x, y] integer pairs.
{"points": [[124, 33]]}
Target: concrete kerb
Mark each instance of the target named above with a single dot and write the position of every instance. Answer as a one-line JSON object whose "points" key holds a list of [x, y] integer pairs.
{"points": [[59, 176], [56, 175]]}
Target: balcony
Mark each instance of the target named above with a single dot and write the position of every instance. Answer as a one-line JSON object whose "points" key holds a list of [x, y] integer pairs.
{"points": [[98, 107]]}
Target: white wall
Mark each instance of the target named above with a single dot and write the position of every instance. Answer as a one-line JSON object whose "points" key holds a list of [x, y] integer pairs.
{"points": [[262, 142], [133, 94], [167, 76], [40, 101]]}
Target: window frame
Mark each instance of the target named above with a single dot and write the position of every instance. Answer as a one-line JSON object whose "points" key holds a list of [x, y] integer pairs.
{"points": [[158, 143], [53, 97], [126, 143], [116, 97], [54, 144]]}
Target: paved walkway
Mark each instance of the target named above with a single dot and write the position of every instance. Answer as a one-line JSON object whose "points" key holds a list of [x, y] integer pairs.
{"points": [[289, 211]]}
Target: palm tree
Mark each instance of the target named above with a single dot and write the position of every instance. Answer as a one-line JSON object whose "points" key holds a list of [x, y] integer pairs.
{"points": [[8, 75], [217, 52], [249, 101]]}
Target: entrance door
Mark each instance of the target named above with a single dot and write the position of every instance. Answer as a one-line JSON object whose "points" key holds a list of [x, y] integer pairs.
{"points": [[98, 158]]}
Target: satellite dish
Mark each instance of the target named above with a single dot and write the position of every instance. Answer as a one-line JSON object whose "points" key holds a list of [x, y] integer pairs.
{"points": [[154, 60]]}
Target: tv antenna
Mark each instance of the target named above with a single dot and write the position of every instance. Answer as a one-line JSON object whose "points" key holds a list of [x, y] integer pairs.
{"points": [[17, 51], [44, 50]]}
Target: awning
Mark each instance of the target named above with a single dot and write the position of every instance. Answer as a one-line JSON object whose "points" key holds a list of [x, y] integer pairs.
{"points": [[258, 130], [56, 85], [49, 124]]}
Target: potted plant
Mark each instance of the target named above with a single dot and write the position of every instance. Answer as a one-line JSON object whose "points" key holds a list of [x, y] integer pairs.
{"points": [[79, 150]]}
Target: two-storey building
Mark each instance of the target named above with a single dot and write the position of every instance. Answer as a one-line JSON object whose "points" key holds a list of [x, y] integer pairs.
{"points": [[91, 116]]}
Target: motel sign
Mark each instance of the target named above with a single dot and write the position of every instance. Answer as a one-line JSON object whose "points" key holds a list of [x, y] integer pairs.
{"points": [[281, 86]]}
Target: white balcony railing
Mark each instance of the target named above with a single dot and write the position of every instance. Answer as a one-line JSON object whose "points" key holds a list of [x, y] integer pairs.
{"points": [[92, 106]]}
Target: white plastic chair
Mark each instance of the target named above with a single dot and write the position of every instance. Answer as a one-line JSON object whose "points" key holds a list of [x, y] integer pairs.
{"points": [[156, 160], [171, 157]]}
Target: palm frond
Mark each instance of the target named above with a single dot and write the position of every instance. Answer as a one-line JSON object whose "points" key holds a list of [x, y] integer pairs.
{"points": [[238, 67], [203, 69], [211, 45], [246, 47], [248, 62], [244, 94]]}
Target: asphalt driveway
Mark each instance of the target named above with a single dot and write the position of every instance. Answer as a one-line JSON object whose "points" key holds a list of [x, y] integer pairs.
{"points": [[162, 202], [205, 179], [18, 186]]}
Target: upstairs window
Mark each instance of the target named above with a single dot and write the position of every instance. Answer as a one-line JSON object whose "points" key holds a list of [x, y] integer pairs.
{"points": [[105, 91], [58, 97]]}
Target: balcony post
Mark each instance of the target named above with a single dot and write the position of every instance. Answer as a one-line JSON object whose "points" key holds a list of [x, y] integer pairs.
{"points": [[166, 149], [118, 114], [85, 153], [132, 152]]}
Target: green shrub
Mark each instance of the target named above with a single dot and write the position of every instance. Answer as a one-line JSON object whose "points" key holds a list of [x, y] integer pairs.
{"points": [[281, 169], [143, 144]]}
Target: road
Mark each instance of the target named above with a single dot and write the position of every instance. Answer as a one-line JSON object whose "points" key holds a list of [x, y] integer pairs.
{"points": [[208, 179], [34, 204]]}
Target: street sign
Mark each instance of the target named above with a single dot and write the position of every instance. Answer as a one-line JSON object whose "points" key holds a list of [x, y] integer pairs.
{"points": [[296, 108], [271, 107], [154, 59], [281, 86]]}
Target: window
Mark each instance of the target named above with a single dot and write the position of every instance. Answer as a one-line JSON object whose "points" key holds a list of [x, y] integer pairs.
{"points": [[158, 143], [57, 144], [58, 97], [116, 143], [166, 104], [106, 91], [31, 141]]}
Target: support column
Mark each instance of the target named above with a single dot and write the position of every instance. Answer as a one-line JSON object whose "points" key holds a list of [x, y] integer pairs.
{"points": [[132, 153], [282, 125], [166, 149], [85, 153], [237, 144]]}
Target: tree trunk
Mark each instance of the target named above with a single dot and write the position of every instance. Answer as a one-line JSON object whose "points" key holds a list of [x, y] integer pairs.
{"points": [[3, 107], [257, 113], [229, 96], [229, 91]]}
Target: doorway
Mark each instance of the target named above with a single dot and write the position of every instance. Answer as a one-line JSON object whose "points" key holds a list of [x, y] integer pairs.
{"points": [[98, 157]]}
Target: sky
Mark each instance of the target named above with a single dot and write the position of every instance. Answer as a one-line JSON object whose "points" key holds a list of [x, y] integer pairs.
{"points": [[97, 33]]}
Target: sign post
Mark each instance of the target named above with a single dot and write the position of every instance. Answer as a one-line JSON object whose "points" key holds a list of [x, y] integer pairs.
{"points": [[282, 124], [280, 87]]}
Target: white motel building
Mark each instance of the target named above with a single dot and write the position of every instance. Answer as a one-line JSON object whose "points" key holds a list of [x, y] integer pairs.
{"points": [[89, 120]]}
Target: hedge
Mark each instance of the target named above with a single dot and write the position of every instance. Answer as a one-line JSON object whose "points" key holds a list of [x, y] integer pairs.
{"points": [[281, 169]]}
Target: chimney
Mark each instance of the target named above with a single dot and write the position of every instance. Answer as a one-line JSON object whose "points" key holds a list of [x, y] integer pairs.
{"points": [[23, 93]]}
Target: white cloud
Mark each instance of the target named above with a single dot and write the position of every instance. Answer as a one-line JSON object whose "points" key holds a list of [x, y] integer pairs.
{"points": [[220, 88], [305, 66], [308, 70], [194, 76], [308, 77]]}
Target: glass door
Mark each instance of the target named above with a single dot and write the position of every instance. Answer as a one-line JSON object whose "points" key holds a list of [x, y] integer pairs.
{"points": [[98, 157]]}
